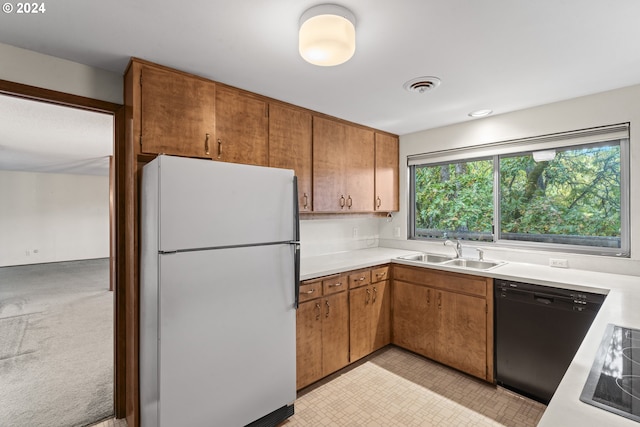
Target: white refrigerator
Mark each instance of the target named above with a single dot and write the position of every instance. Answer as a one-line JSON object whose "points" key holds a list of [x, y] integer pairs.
{"points": [[219, 284]]}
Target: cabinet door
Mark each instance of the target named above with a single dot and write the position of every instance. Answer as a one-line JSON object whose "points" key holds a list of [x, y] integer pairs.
{"points": [[386, 173], [380, 315], [241, 128], [290, 147], [413, 318], [360, 312], [309, 343], [329, 159], [177, 113], [461, 341], [359, 170], [335, 333]]}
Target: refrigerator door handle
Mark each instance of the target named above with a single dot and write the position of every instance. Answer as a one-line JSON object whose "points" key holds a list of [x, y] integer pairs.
{"points": [[296, 241], [296, 249]]}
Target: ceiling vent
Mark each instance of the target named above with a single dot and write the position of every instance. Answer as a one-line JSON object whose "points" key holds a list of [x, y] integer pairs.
{"points": [[422, 84]]}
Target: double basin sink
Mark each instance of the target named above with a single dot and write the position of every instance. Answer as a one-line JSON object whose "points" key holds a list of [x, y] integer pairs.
{"points": [[452, 262]]}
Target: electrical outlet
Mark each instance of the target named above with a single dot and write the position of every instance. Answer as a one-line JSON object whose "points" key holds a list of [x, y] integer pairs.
{"points": [[396, 231], [558, 262], [355, 232]]}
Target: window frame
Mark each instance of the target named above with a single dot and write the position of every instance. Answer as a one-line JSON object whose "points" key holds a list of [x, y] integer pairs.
{"points": [[570, 140]]}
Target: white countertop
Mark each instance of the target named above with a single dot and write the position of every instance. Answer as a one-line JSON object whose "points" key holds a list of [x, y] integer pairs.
{"points": [[621, 307]]}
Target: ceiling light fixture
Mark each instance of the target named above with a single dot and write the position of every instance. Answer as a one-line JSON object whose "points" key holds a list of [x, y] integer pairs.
{"points": [[327, 35], [480, 113]]}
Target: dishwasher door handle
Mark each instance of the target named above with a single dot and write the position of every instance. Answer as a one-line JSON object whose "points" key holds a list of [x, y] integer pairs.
{"points": [[543, 300]]}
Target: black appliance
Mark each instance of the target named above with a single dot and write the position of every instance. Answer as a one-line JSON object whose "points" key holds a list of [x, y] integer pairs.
{"points": [[538, 330], [614, 381]]}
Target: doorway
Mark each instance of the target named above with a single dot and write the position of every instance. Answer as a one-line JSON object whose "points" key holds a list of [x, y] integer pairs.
{"points": [[108, 266]]}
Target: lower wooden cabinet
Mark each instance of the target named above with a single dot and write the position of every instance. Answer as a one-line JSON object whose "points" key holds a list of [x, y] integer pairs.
{"points": [[369, 318], [446, 317], [322, 333]]}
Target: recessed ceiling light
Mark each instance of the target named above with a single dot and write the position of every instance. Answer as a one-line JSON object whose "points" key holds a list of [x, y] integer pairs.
{"points": [[480, 113]]}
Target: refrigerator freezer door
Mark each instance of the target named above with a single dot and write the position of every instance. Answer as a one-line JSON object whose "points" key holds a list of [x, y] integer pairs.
{"points": [[222, 204], [226, 335]]}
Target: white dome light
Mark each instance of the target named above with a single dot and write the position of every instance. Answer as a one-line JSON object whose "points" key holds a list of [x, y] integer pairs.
{"points": [[327, 35]]}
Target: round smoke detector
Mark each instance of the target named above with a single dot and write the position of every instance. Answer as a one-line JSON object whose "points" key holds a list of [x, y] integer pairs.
{"points": [[422, 84]]}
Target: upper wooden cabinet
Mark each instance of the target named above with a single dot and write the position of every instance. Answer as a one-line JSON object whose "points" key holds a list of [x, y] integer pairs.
{"points": [[176, 112], [343, 167], [242, 123], [290, 147], [387, 173]]}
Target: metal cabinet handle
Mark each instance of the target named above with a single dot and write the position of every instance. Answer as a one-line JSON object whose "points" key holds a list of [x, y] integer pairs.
{"points": [[380, 275], [379, 200], [335, 285], [317, 311], [349, 202], [328, 308], [342, 202], [375, 294], [309, 292], [206, 145], [306, 201], [219, 148], [368, 297], [360, 279]]}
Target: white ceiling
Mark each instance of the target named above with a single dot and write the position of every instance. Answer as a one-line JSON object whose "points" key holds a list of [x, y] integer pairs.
{"points": [[41, 137], [504, 55]]}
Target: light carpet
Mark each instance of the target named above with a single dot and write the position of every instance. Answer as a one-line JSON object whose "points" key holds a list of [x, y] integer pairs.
{"points": [[56, 344]]}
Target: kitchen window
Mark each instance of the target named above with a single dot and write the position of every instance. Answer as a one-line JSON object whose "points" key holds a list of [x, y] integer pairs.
{"points": [[566, 192]]}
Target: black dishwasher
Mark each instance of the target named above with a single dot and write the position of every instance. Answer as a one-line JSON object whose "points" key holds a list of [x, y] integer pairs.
{"points": [[538, 330]]}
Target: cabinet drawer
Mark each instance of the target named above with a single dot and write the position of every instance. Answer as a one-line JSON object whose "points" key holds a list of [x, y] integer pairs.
{"points": [[379, 274], [360, 278], [310, 290], [334, 284]]}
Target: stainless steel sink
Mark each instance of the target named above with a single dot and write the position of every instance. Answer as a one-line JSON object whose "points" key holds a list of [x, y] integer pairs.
{"points": [[472, 263], [425, 257]]}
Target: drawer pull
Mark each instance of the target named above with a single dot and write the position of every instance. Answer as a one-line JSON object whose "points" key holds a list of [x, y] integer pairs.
{"points": [[309, 292], [381, 274], [335, 285], [368, 297], [360, 279], [375, 294], [317, 311], [328, 308]]}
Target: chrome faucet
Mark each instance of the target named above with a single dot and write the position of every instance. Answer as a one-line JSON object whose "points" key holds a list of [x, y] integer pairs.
{"points": [[480, 254], [457, 246]]}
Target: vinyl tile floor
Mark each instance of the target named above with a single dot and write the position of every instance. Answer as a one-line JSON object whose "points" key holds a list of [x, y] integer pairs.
{"points": [[111, 423], [396, 388]]}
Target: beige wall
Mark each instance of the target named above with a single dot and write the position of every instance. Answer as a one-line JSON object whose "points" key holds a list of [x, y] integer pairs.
{"points": [[35, 69], [616, 106]]}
